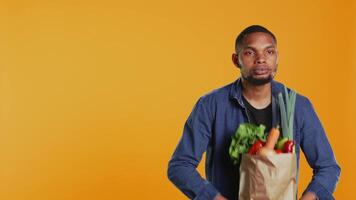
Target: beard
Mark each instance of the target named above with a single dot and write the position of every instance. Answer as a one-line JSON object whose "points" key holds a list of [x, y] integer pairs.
{"points": [[258, 81]]}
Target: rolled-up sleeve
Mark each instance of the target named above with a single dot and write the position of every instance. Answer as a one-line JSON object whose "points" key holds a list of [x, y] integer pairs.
{"points": [[188, 153], [319, 154]]}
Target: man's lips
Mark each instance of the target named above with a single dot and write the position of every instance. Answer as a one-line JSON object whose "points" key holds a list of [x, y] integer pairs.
{"points": [[260, 70]]}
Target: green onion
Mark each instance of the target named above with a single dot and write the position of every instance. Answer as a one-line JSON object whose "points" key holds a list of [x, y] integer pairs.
{"points": [[287, 109]]}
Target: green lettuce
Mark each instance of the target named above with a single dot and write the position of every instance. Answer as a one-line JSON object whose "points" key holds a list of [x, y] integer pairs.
{"points": [[245, 136]]}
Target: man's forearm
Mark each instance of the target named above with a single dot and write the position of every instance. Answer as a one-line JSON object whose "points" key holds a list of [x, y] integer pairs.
{"points": [[182, 167], [320, 156]]}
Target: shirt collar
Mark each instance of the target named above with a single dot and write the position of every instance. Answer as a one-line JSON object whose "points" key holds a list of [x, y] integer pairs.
{"points": [[236, 89]]}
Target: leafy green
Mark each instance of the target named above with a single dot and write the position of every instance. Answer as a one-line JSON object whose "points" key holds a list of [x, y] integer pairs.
{"points": [[245, 136]]}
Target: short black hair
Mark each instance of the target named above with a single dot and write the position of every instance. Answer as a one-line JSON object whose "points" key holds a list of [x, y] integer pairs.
{"points": [[249, 30]]}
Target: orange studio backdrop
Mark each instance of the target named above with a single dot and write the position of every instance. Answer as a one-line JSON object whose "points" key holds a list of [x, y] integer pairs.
{"points": [[94, 94]]}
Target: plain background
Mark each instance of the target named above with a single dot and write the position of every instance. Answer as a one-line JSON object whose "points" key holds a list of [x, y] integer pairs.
{"points": [[94, 94]]}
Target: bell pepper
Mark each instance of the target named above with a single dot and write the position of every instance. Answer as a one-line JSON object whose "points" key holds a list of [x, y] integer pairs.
{"points": [[278, 151], [255, 147], [280, 143], [288, 146]]}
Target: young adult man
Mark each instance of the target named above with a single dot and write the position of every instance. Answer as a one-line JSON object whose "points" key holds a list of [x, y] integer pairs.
{"points": [[251, 98]]}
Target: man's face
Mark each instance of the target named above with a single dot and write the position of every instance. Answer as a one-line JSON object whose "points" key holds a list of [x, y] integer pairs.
{"points": [[257, 58]]}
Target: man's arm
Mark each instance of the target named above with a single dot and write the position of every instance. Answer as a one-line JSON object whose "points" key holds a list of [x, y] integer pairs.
{"points": [[320, 156], [182, 166]]}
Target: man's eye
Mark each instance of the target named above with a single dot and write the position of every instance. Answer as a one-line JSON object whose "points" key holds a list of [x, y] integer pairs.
{"points": [[248, 52], [270, 51]]}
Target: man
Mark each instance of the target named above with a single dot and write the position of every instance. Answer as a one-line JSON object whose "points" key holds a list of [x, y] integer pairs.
{"points": [[251, 98]]}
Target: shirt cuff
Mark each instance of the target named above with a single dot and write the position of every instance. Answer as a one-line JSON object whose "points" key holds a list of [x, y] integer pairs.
{"points": [[319, 191], [208, 192]]}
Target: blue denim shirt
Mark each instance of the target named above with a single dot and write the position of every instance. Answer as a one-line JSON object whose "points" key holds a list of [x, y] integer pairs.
{"points": [[209, 128]]}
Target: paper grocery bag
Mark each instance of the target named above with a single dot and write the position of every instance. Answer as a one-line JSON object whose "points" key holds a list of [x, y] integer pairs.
{"points": [[268, 178]]}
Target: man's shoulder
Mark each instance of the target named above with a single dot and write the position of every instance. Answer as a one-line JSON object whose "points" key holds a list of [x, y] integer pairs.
{"points": [[218, 94], [300, 97]]}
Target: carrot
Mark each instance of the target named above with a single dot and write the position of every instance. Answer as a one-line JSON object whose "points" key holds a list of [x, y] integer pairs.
{"points": [[268, 149], [272, 138]]}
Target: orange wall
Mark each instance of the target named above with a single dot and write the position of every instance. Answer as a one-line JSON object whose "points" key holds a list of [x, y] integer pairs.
{"points": [[94, 94]]}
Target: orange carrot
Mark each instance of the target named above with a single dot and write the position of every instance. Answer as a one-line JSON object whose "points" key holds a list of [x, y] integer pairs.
{"points": [[272, 138]]}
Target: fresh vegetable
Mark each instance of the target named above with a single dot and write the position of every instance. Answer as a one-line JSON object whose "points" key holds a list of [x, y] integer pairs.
{"points": [[255, 147], [272, 138], [244, 137], [287, 108], [280, 143], [249, 138], [288, 146], [278, 151]]}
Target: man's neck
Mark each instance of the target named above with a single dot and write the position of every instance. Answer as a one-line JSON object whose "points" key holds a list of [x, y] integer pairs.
{"points": [[258, 96]]}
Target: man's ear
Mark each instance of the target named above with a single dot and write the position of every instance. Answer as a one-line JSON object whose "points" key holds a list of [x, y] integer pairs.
{"points": [[235, 60]]}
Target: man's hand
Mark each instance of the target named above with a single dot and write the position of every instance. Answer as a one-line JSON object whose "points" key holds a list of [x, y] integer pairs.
{"points": [[309, 196], [220, 197]]}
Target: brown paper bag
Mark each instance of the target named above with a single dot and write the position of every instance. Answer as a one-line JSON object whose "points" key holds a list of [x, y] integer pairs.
{"points": [[268, 178]]}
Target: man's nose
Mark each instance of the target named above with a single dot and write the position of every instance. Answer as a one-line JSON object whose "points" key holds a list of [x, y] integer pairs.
{"points": [[260, 58]]}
